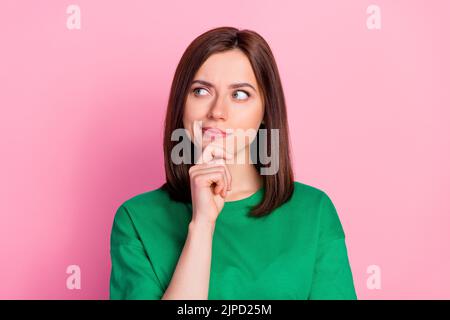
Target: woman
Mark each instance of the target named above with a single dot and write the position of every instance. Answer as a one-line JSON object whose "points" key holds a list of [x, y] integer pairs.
{"points": [[220, 228]]}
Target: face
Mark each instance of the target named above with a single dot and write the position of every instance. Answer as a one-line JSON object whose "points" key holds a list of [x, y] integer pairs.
{"points": [[224, 94]]}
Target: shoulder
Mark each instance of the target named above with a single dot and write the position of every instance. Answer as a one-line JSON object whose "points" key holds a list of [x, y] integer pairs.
{"points": [[307, 200], [155, 198], [132, 207], [149, 208], [150, 217], [144, 205], [309, 195], [318, 206]]}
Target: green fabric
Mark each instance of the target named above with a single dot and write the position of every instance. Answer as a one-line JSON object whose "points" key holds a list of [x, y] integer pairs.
{"points": [[296, 252]]}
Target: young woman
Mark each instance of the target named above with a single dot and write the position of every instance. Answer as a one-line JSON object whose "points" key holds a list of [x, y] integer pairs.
{"points": [[220, 228]]}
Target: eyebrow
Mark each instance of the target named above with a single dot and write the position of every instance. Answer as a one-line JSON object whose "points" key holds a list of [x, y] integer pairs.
{"points": [[231, 86]]}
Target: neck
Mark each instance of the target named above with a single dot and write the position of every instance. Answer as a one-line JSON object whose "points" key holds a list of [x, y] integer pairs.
{"points": [[246, 179]]}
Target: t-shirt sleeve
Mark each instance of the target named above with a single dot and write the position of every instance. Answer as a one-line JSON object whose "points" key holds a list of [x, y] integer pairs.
{"points": [[132, 274], [332, 276]]}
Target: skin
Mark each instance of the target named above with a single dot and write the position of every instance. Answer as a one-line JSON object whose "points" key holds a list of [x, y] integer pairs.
{"points": [[217, 176], [226, 108]]}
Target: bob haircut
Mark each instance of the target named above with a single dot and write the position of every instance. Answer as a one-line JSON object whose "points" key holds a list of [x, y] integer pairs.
{"points": [[278, 187]]}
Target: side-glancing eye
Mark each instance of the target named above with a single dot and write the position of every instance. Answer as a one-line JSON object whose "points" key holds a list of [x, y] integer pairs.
{"points": [[195, 90], [241, 97], [244, 98]]}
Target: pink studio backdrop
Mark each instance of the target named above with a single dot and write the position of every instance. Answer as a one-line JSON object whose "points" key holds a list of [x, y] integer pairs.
{"points": [[82, 113]]}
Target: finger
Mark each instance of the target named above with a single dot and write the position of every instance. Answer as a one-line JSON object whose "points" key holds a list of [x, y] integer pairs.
{"points": [[216, 162], [216, 177], [212, 151], [213, 167], [222, 162]]}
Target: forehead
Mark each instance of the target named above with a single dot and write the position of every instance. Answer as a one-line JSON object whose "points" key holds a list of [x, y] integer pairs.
{"points": [[227, 67]]}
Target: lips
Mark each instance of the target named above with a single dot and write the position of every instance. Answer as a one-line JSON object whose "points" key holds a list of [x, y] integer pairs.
{"points": [[213, 131]]}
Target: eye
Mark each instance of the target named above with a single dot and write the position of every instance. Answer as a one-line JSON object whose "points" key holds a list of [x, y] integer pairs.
{"points": [[195, 90], [247, 94]]}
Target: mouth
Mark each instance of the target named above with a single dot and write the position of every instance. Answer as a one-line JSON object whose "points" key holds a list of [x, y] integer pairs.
{"points": [[214, 132]]}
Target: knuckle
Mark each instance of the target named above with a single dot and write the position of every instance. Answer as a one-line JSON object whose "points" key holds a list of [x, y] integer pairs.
{"points": [[196, 180]]}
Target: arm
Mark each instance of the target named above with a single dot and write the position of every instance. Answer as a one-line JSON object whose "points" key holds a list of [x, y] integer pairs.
{"points": [[332, 278], [132, 273], [192, 273]]}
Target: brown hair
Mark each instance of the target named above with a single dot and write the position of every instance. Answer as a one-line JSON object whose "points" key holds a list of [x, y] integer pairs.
{"points": [[278, 188]]}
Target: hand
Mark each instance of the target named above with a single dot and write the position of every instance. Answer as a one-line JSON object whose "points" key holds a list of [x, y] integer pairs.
{"points": [[210, 180]]}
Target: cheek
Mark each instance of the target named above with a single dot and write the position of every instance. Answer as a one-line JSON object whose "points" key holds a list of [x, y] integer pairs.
{"points": [[189, 115], [194, 110], [248, 119], [190, 122]]}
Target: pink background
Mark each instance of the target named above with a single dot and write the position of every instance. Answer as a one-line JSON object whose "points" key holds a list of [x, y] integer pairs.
{"points": [[81, 129]]}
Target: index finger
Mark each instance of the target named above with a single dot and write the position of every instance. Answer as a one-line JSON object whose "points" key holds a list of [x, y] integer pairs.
{"points": [[213, 151]]}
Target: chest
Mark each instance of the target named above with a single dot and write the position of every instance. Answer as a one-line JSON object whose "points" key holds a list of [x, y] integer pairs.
{"points": [[264, 264]]}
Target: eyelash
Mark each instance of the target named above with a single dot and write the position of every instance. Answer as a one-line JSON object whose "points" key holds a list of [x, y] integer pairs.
{"points": [[246, 92]]}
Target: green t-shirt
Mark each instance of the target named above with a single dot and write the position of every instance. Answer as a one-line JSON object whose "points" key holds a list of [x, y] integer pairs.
{"points": [[296, 252]]}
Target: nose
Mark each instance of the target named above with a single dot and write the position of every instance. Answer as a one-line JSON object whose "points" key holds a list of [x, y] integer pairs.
{"points": [[218, 110]]}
